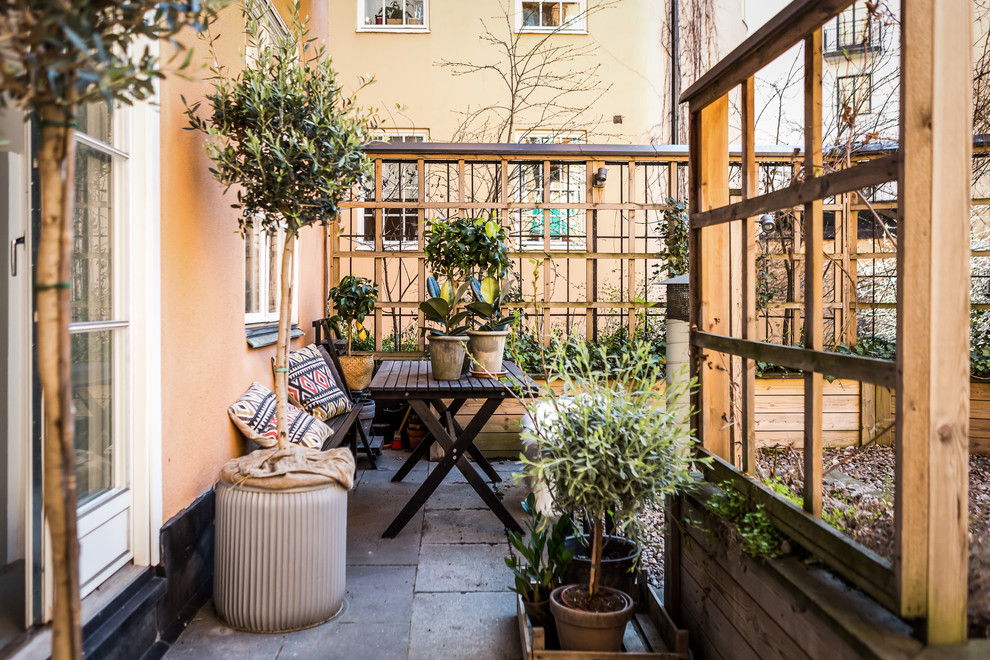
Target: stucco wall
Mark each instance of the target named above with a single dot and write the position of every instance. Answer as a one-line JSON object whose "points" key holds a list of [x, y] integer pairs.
{"points": [[626, 39], [206, 361]]}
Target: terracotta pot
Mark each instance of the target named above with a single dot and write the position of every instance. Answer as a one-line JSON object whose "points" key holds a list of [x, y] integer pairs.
{"points": [[487, 347], [357, 371], [590, 631], [447, 356]]}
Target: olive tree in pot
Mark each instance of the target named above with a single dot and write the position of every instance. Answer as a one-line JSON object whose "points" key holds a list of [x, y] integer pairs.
{"points": [[284, 133], [446, 342], [354, 299], [57, 57], [606, 449]]}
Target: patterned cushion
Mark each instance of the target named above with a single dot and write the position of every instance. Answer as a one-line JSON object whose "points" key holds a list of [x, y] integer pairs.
{"points": [[312, 387], [254, 414]]}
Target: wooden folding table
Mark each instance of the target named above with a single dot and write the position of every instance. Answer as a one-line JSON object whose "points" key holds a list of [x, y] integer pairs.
{"points": [[436, 403]]}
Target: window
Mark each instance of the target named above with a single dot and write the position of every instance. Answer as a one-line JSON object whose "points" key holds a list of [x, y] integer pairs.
{"points": [[400, 183], [393, 15], [853, 95], [852, 31], [546, 16], [262, 252], [567, 183]]}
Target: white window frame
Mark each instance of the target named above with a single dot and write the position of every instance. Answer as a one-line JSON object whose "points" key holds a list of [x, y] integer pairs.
{"points": [[861, 93], [578, 25], [550, 136], [269, 316], [392, 136], [404, 28]]}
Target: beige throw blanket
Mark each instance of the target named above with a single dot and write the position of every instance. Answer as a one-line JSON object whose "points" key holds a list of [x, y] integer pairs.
{"points": [[293, 467]]}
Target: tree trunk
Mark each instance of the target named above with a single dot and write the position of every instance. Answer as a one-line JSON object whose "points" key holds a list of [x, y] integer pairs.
{"points": [[282, 344], [56, 162], [598, 530]]}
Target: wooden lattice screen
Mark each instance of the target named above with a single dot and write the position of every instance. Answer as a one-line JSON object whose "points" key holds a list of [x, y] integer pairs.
{"points": [[931, 377]]}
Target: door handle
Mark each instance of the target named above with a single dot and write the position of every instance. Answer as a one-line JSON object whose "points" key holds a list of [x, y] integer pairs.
{"points": [[13, 255]]}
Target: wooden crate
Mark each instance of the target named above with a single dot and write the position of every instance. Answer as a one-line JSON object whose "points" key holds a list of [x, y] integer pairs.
{"points": [[650, 635]]}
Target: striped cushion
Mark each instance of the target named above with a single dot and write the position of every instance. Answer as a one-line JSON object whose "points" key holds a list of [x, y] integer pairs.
{"points": [[254, 415], [312, 387]]}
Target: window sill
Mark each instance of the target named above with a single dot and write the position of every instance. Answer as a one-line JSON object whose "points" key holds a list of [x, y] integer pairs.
{"points": [[266, 334], [393, 30], [549, 30]]}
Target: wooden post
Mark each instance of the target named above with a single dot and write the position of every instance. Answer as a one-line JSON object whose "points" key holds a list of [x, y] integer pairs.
{"points": [[748, 246], [379, 263], [813, 273], [710, 273], [420, 246], [933, 318]]}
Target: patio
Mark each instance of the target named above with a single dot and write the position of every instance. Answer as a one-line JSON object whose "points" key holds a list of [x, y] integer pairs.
{"points": [[437, 590]]}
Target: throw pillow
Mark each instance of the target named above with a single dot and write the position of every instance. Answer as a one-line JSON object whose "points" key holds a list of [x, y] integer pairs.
{"points": [[312, 387], [254, 415]]}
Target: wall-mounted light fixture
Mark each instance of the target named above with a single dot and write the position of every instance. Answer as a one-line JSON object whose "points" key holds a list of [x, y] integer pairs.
{"points": [[766, 223], [600, 176]]}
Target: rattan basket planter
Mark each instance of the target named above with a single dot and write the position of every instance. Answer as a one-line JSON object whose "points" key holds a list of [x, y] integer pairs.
{"points": [[280, 556], [357, 371]]}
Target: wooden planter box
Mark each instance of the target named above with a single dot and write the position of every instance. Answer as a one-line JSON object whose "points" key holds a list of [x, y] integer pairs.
{"points": [[650, 635]]}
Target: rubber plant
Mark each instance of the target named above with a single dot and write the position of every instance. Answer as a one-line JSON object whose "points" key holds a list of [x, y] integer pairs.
{"points": [[609, 445], [57, 55], [284, 133], [354, 299]]}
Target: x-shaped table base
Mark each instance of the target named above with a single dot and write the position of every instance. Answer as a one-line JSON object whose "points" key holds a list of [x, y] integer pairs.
{"points": [[456, 441]]}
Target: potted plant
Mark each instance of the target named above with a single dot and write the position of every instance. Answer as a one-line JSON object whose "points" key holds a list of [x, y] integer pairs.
{"points": [[461, 247], [537, 561], [605, 449], [283, 131], [486, 344], [354, 299], [447, 343], [393, 13]]}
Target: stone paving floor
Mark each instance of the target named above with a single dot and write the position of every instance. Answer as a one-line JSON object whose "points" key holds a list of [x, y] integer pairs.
{"points": [[439, 590]]}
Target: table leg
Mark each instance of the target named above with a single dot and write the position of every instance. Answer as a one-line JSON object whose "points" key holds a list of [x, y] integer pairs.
{"points": [[472, 449], [453, 456], [414, 458]]}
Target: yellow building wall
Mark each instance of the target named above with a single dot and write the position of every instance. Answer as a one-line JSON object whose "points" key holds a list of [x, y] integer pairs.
{"points": [[206, 361], [626, 39]]}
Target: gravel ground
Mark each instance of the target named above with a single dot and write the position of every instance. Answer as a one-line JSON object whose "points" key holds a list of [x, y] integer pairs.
{"points": [[863, 509]]}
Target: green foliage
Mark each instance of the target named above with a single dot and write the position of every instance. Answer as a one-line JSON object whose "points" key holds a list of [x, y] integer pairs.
{"points": [[59, 54], [872, 347], [489, 295], [441, 308], [526, 349], [979, 344], [284, 132], [354, 299], [673, 231], [542, 558], [609, 444], [758, 535], [461, 247]]}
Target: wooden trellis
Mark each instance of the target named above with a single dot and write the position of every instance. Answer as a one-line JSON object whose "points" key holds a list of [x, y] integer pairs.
{"points": [[931, 375]]}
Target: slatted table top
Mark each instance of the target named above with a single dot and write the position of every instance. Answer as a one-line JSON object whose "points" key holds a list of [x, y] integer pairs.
{"points": [[404, 379]]}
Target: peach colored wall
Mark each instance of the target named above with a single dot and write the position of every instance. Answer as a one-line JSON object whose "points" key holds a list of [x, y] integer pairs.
{"points": [[206, 360]]}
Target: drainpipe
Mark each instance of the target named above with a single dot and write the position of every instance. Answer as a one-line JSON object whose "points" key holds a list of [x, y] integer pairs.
{"points": [[678, 337], [674, 69]]}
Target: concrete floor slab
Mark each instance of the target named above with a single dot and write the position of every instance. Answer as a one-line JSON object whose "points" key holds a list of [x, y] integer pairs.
{"points": [[465, 626], [462, 567], [463, 526], [379, 594], [207, 637], [348, 641]]}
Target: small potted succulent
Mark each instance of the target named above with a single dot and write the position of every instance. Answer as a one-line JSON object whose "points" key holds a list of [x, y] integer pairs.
{"points": [[486, 343], [538, 560], [605, 449], [354, 299], [447, 342]]}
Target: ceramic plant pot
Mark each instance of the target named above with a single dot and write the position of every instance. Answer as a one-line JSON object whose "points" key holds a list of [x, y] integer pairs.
{"points": [[357, 371], [618, 566], [447, 356], [279, 561], [590, 631], [487, 347]]}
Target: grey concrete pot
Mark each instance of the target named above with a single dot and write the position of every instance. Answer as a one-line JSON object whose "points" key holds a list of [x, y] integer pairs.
{"points": [[447, 356], [487, 347], [280, 556], [590, 631]]}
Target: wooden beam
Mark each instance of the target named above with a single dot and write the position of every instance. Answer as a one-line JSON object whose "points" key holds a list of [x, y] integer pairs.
{"points": [[750, 189], [933, 319], [793, 23], [840, 365], [710, 305], [813, 293], [816, 187]]}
